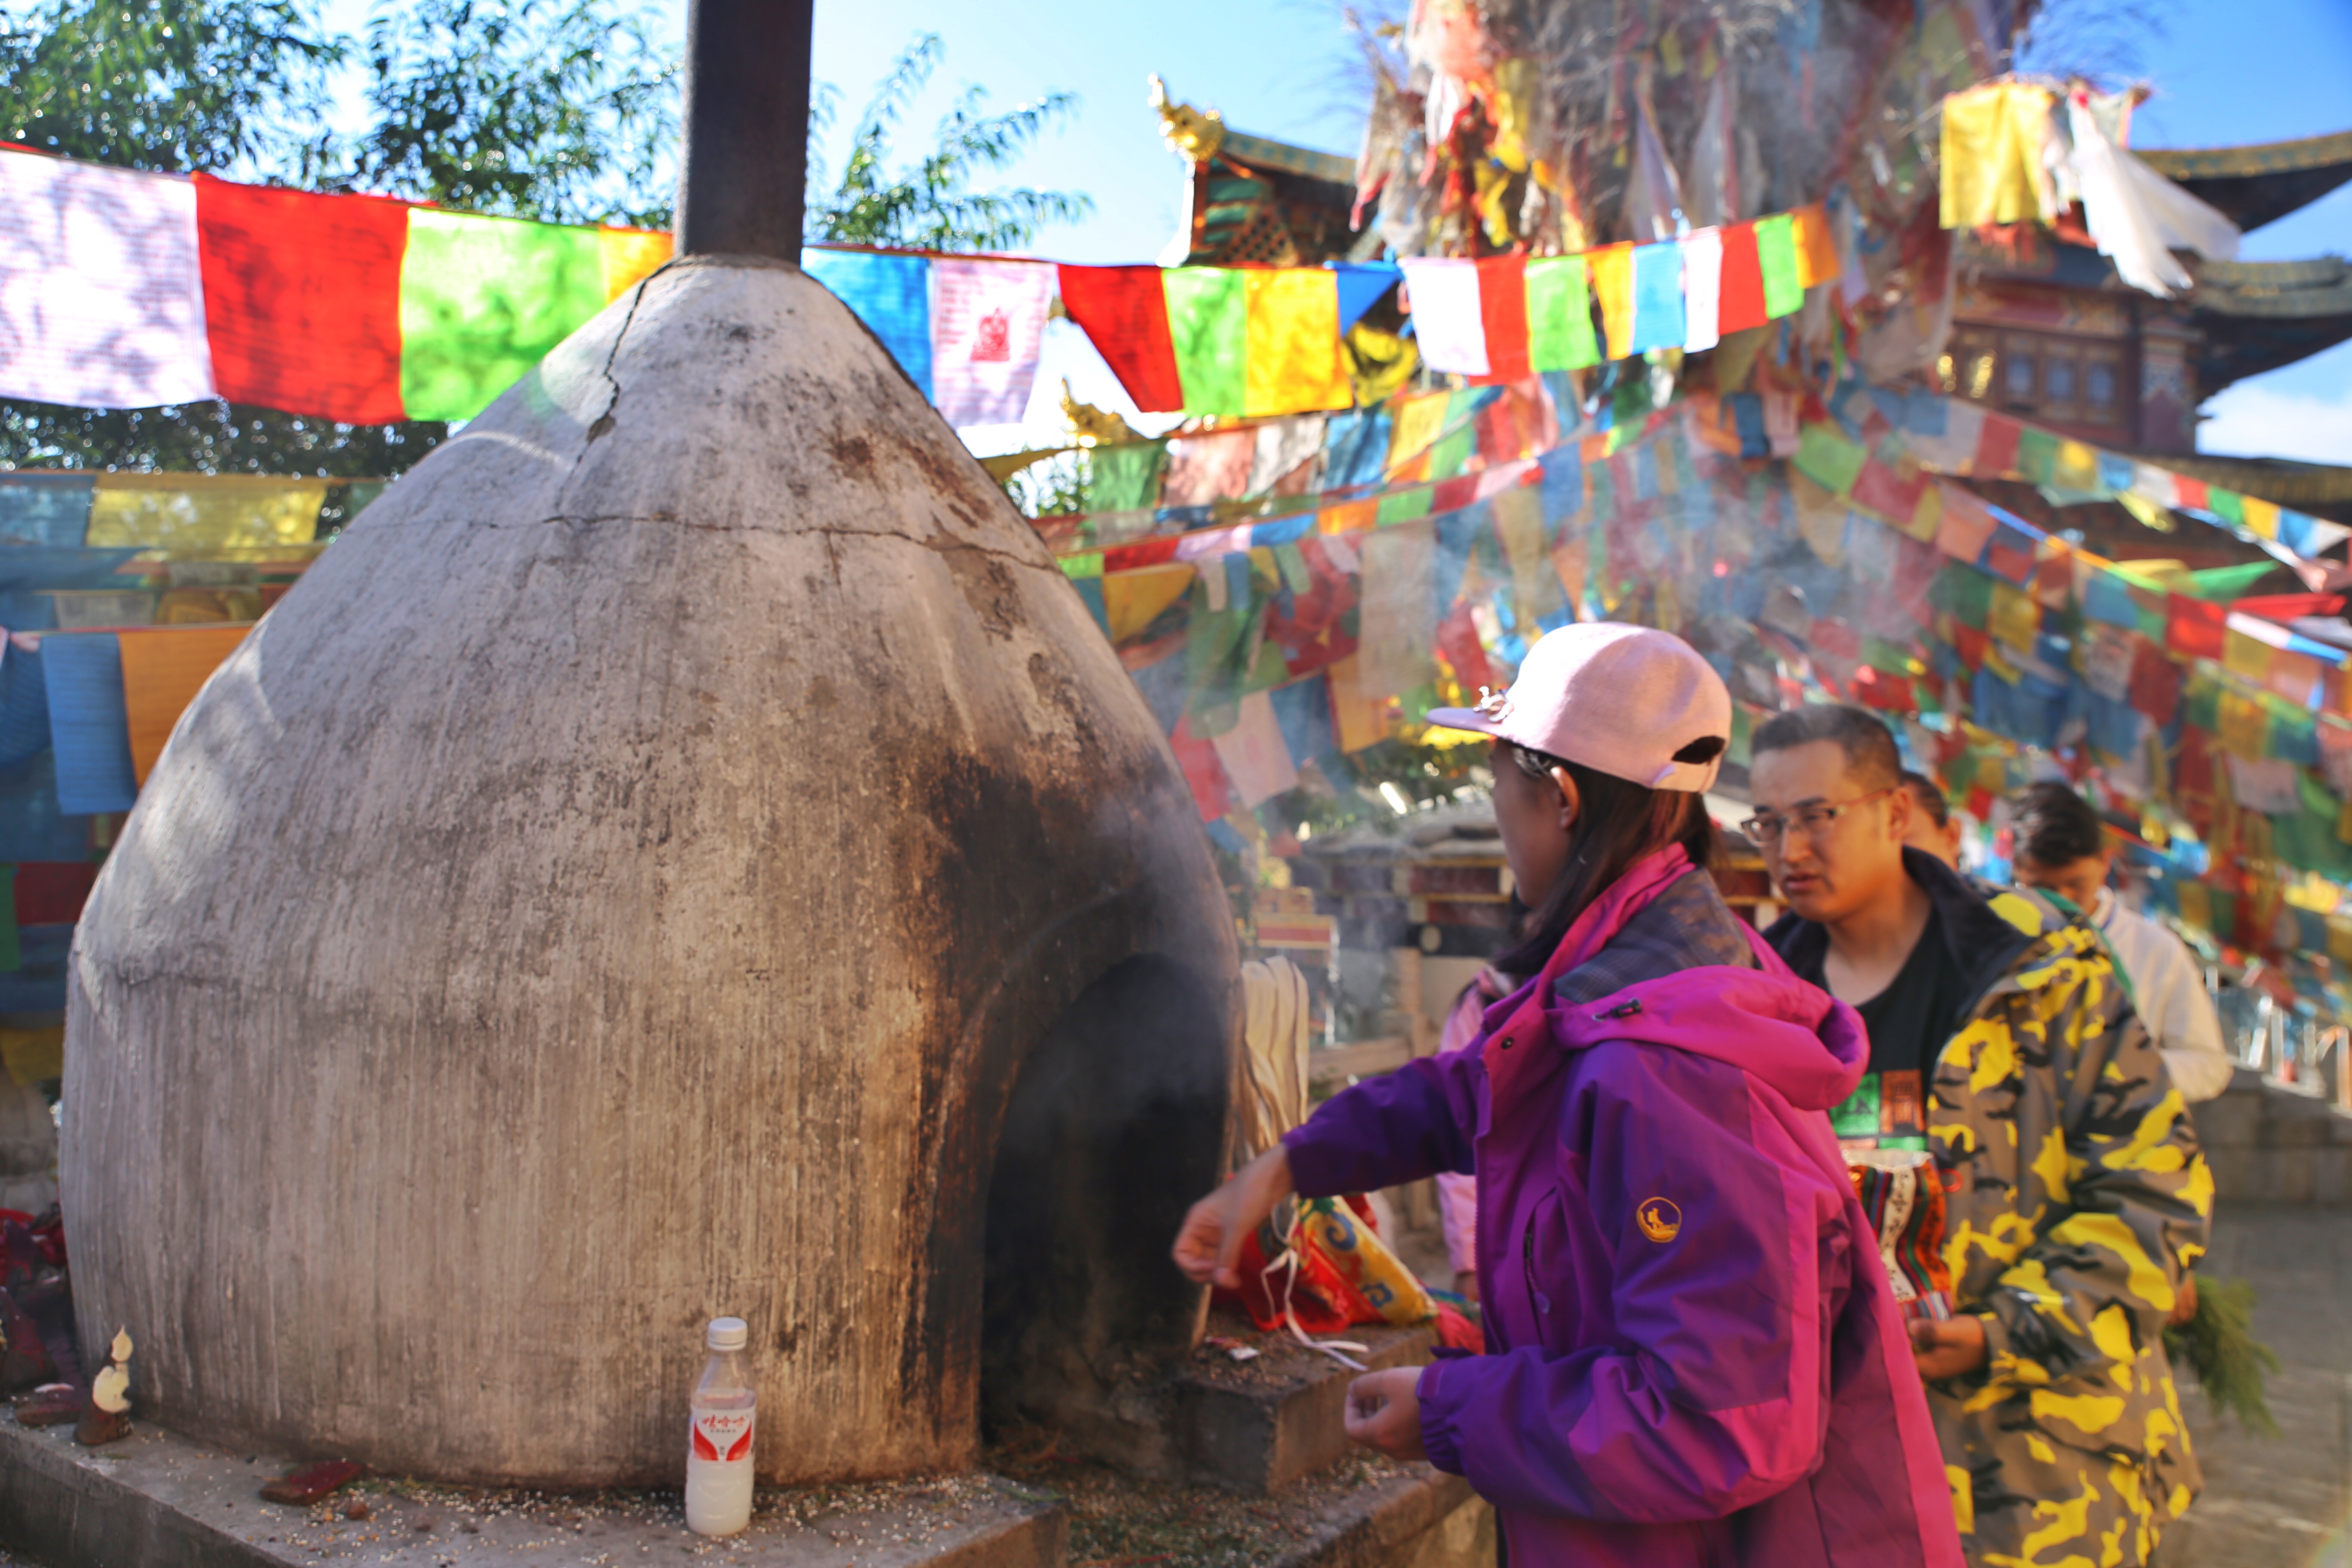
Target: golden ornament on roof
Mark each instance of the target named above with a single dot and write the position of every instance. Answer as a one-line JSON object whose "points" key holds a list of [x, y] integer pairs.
{"points": [[1194, 134]]}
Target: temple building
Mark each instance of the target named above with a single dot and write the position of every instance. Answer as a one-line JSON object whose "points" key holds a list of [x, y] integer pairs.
{"points": [[2045, 329]]}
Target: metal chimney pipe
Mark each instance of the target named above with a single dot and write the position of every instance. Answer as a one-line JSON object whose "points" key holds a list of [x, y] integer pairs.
{"points": [[743, 172]]}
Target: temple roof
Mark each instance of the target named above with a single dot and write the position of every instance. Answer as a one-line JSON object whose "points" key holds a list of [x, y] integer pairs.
{"points": [[2254, 185], [2259, 315]]}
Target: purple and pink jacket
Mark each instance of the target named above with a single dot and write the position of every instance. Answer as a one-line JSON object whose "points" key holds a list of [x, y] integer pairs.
{"points": [[1694, 1357]]}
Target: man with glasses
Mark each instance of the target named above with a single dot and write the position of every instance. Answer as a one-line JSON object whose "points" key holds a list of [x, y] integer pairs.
{"points": [[2013, 1092]]}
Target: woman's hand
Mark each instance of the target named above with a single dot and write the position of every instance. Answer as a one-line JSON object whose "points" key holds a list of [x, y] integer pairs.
{"points": [[1210, 1243], [1384, 1412], [1949, 1349]]}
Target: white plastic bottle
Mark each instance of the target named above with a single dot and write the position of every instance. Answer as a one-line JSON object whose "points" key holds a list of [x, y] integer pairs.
{"points": [[718, 1450]]}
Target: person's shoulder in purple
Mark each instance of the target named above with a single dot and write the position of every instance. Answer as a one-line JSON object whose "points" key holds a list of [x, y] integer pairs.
{"points": [[1694, 1356]]}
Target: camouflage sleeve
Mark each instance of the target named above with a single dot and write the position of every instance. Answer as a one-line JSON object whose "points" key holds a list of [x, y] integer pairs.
{"points": [[2116, 1196]]}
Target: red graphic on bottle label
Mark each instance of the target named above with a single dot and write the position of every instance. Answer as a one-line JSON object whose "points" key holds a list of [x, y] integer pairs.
{"points": [[992, 339], [722, 1436]]}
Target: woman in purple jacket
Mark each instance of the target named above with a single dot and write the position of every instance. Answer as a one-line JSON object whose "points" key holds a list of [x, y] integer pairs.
{"points": [[1693, 1355]]}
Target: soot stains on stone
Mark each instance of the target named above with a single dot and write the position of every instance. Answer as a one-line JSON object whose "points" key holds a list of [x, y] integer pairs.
{"points": [[987, 586], [853, 455]]}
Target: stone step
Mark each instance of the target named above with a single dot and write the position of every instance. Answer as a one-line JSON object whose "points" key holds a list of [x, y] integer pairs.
{"points": [[159, 1500], [1255, 1427]]}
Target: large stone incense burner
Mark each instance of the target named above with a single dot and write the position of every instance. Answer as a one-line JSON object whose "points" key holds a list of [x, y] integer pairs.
{"points": [[685, 850]]}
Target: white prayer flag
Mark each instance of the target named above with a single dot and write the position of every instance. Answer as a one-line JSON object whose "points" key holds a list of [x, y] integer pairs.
{"points": [[988, 328], [101, 298]]}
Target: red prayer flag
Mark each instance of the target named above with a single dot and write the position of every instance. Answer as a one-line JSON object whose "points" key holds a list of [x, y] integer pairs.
{"points": [[1996, 446], [1503, 312], [1203, 770], [303, 299], [51, 893], [2194, 627], [1457, 639], [2155, 682], [2190, 494], [1124, 311], [1740, 304]]}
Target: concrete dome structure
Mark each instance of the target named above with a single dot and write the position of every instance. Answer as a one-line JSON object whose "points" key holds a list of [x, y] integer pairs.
{"points": [[624, 883]]}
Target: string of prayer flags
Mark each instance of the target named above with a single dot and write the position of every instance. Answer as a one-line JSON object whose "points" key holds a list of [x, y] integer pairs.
{"points": [[366, 310]]}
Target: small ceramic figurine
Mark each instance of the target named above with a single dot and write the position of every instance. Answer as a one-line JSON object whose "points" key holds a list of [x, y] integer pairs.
{"points": [[107, 1417]]}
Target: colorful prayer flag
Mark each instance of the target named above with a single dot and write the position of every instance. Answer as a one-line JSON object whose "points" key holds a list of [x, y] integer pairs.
{"points": [[1447, 320], [1123, 310], [161, 673], [891, 294]]}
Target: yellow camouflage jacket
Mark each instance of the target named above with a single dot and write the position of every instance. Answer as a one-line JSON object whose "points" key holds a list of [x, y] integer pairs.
{"points": [[2075, 1200]]}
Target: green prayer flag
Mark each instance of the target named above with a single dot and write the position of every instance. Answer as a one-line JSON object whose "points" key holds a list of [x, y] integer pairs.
{"points": [[1776, 255], [2227, 505], [1559, 315], [1125, 478], [1405, 506], [12, 954], [481, 301], [1825, 456], [1963, 592], [1452, 455], [2037, 456], [1208, 323]]}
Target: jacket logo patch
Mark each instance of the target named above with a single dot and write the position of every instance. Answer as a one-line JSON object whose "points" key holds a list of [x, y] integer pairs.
{"points": [[1659, 1218]]}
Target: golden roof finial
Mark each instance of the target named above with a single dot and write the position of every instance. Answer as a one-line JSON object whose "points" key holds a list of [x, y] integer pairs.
{"points": [[1092, 427], [1190, 133]]}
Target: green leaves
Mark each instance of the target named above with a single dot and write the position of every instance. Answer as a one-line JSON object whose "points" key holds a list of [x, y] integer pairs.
{"points": [[170, 85], [930, 205], [562, 113]]}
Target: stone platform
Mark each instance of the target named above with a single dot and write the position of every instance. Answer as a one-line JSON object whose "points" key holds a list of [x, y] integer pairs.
{"points": [[1257, 1426], [158, 1500]]}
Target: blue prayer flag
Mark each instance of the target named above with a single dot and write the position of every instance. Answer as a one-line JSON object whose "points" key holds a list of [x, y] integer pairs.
{"points": [[891, 294], [1658, 316], [1361, 284], [89, 726]]}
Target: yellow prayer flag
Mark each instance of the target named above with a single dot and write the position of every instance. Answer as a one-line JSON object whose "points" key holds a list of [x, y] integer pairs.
{"points": [[1992, 142], [1417, 422], [2339, 938], [1133, 600], [2194, 906], [1820, 518], [162, 672], [2245, 726], [2078, 467], [1294, 361], [1358, 718], [2249, 657], [630, 254], [33, 1056], [1612, 268], [1928, 517], [2014, 618], [181, 512], [2262, 517], [1349, 517]]}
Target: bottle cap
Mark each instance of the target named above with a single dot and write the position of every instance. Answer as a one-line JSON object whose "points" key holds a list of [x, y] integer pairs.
{"points": [[727, 1334]]}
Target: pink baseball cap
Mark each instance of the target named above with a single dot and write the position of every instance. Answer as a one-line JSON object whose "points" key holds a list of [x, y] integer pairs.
{"points": [[1616, 698]]}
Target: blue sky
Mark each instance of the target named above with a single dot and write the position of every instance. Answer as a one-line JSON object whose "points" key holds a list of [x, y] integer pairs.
{"points": [[2223, 72]]}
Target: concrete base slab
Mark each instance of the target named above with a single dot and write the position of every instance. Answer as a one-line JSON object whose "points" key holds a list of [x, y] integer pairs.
{"points": [[1257, 1426], [158, 1500]]}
